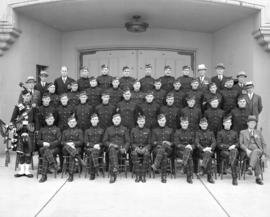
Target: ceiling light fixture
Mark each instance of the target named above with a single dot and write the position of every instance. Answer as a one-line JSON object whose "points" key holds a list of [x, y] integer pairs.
{"points": [[136, 25]]}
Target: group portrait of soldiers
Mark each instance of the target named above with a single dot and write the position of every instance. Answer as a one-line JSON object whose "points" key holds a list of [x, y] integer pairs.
{"points": [[150, 122]]}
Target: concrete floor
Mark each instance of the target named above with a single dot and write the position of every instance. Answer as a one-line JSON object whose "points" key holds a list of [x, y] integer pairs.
{"points": [[26, 197]]}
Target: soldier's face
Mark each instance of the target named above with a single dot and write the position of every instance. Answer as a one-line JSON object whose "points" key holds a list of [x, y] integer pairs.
{"points": [[195, 85], [127, 95], [229, 84], [170, 100], [214, 103], [72, 123], [162, 122], [51, 89], [27, 97], [213, 89], [94, 121], [64, 71], [202, 73], [105, 99], [116, 120], [50, 121], [177, 85], [242, 103], [148, 71], [115, 83], [64, 100], [191, 103], [105, 71], [137, 86], [157, 85], [126, 72], [220, 71], [84, 73], [184, 125], [149, 98], [141, 122], [83, 99], [251, 124], [227, 125], [186, 72], [74, 87], [204, 125], [93, 83], [46, 101], [167, 71]]}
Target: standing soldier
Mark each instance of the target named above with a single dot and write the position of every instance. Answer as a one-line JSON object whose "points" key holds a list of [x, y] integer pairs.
{"points": [[42, 85], [179, 94], [72, 141], [150, 110], [147, 81], [240, 85], [184, 141], [203, 80], [137, 95], [55, 99], [240, 115], [73, 95], [62, 84], [105, 111], [159, 93], [208, 95], [115, 92], [193, 113], [104, 80], [185, 79], [162, 141], [219, 79], [167, 80], [206, 144], [48, 140], [171, 111], [128, 110], [196, 92], [126, 81], [93, 144], [228, 143], [93, 93], [83, 81], [116, 139], [140, 141], [229, 96], [83, 112]]}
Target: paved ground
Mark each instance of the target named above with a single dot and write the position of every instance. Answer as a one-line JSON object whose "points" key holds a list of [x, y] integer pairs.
{"points": [[26, 197]]}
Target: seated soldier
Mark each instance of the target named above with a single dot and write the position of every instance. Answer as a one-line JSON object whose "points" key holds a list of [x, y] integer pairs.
{"points": [[206, 144], [184, 140], [252, 142], [227, 142], [116, 138], [48, 140], [93, 144], [140, 138], [72, 141], [162, 138]]}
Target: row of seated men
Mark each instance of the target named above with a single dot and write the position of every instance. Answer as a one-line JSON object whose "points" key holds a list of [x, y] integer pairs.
{"points": [[189, 142]]}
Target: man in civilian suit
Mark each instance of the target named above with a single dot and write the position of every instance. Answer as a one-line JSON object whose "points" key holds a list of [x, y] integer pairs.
{"points": [[42, 85], [254, 101], [219, 79], [63, 83], [203, 80]]}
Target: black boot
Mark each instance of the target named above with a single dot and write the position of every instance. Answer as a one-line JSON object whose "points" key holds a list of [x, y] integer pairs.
{"points": [[259, 181], [189, 180], [137, 178], [234, 181], [163, 179], [210, 179], [43, 179], [113, 178], [92, 176], [143, 179], [70, 178]]}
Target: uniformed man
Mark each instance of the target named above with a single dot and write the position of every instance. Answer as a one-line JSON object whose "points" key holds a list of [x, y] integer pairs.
{"points": [[55, 99], [94, 93], [196, 92], [42, 85], [240, 84], [229, 96], [117, 140], [105, 111], [253, 144], [128, 110], [48, 140], [83, 112], [147, 82], [192, 112], [94, 147], [167, 80], [162, 142], [228, 143], [137, 95], [72, 141], [208, 95], [240, 115], [73, 95], [83, 81], [179, 94], [171, 111], [159, 93], [203, 79], [104, 80], [184, 140], [126, 81], [150, 110], [115, 92], [185, 79], [23, 119], [219, 79], [206, 144], [140, 141]]}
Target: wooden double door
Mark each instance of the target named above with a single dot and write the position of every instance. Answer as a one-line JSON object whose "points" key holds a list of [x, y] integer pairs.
{"points": [[136, 60]]}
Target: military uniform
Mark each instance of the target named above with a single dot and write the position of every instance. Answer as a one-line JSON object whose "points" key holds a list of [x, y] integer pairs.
{"points": [[239, 119], [150, 111], [140, 141], [83, 113], [55, 100], [182, 138], [185, 83], [214, 117], [126, 82], [159, 96], [94, 96], [73, 98], [43, 111], [128, 110], [179, 98], [147, 83], [105, 113], [167, 83], [137, 97], [63, 113], [104, 81], [172, 114], [83, 84], [207, 96], [194, 115], [198, 94], [115, 95], [229, 96]]}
